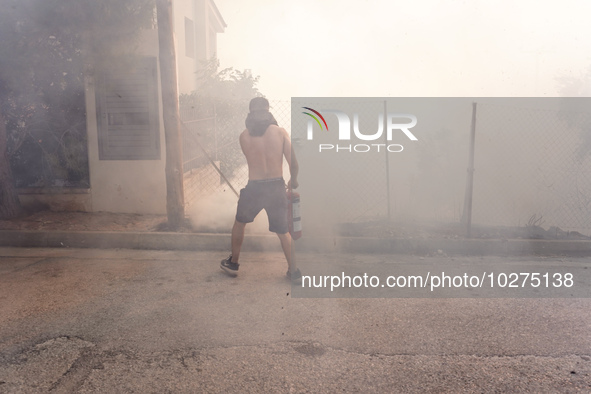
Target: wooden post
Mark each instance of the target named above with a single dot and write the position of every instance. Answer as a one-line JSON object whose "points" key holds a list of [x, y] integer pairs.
{"points": [[175, 208]]}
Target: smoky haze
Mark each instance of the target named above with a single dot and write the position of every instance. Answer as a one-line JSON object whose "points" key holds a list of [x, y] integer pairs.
{"points": [[214, 209], [433, 48], [527, 169]]}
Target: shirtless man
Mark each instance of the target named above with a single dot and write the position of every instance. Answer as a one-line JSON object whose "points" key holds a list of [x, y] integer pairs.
{"points": [[264, 144]]}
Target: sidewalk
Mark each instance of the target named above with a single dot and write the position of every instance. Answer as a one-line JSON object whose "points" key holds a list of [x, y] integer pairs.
{"points": [[108, 230]]}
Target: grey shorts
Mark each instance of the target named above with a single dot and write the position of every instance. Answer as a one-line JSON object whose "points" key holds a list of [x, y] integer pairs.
{"points": [[267, 194]]}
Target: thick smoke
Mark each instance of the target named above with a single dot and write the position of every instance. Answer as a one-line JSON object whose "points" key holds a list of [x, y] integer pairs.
{"points": [[215, 210]]}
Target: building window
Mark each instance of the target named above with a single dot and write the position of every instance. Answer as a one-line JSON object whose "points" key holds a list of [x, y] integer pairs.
{"points": [[127, 110], [189, 38]]}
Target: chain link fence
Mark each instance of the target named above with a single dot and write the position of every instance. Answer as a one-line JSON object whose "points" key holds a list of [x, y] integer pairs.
{"points": [[211, 149], [532, 164], [343, 185], [212, 159]]}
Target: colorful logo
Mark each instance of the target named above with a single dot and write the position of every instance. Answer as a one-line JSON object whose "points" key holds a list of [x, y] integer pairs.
{"points": [[315, 118]]}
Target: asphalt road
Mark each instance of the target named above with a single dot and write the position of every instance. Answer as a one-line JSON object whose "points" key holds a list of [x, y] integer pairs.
{"points": [[87, 320]]}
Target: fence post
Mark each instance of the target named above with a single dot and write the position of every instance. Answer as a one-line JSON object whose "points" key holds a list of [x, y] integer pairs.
{"points": [[467, 216], [387, 160]]}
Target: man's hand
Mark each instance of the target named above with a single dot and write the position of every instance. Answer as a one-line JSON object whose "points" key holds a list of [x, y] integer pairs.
{"points": [[292, 184]]}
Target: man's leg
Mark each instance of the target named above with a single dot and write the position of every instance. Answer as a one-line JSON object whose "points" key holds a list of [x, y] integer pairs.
{"points": [[286, 246], [237, 238], [230, 265]]}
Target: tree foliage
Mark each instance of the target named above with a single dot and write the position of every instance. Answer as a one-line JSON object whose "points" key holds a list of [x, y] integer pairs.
{"points": [[224, 94], [225, 85], [47, 48]]}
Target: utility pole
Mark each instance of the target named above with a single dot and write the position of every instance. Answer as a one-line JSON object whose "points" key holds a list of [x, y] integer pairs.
{"points": [[175, 204]]}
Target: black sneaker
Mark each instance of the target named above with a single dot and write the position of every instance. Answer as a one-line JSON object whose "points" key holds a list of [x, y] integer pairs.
{"points": [[296, 277], [229, 267]]}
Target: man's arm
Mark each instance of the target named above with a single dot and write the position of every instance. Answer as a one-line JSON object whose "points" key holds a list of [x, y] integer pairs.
{"points": [[291, 161]]}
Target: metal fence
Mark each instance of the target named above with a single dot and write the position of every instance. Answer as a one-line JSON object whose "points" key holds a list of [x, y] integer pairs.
{"points": [[212, 160], [211, 149], [531, 166], [345, 187]]}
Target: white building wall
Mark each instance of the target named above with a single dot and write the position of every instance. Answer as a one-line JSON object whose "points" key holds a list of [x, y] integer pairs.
{"points": [[207, 23], [186, 65], [139, 186], [129, 186]]}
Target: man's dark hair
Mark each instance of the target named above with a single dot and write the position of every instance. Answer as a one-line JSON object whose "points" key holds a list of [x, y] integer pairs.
{"points": [[258, 104], [259, 117]]}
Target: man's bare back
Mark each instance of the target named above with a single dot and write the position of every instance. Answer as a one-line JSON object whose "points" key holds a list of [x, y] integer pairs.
{"points": [[264, 154]]}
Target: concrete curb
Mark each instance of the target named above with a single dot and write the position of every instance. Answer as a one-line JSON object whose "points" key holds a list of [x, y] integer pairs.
{"points": [[221, 242]]}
